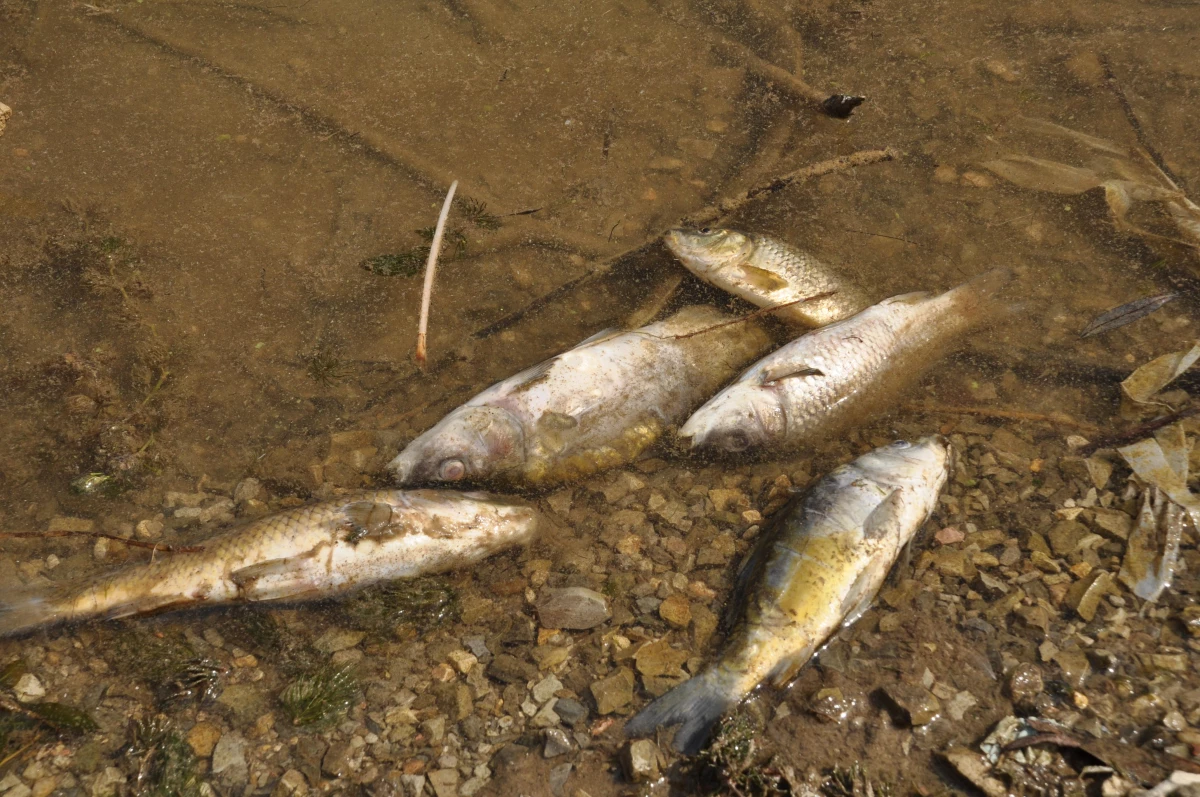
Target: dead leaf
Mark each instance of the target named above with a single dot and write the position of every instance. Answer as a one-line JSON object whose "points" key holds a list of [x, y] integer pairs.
{"points": [[1043, 175], [1142, 384]]}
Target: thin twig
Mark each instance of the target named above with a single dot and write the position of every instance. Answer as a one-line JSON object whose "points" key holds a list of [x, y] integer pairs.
{"points": [[430, 269], [1127, 108], [1057, 418], [1135, 433], [154, 546]]}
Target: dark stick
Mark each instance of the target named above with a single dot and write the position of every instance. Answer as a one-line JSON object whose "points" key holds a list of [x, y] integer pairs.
{"points": [[1127, 108], [154, 546], [1139, 432]]}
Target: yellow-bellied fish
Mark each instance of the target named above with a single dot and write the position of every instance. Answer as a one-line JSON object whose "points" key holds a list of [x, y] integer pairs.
{"points": [[767, 273], [593, 407], [312, 551], [818, 569], [826, 380]]}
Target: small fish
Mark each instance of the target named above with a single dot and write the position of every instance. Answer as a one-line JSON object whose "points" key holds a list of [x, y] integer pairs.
{"points": [[767, 273], [309, 552], [592, 407], [817, 570], [1126, 314], [830, 378]]}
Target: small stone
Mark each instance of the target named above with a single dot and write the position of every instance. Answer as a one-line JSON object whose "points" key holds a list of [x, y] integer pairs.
{"points": [[545, 689], [949, 536], [42, 787], [959, 704], [546, 716], [248, 489], [29, 688], [463, 661], [1074, 665], [434, 729], [203, 738], [19, 790], [919, 705], [978, 179], [229, 759], [676, 610], [414, 785], [665, 164], [945, 174], [100, 549], [570, 711], [1084, 595], [336, 639], [613, 692], [659, 658], [509, 669], [1025, 684], [108, 783], [1172, 662], [574, 608], [291, 784], [337, 762], [641, 760], [444, 782], [557, 743], [1065, 535]]}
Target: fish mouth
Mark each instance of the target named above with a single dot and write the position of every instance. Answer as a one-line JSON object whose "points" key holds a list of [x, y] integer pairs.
{"points": [[402, 469]]}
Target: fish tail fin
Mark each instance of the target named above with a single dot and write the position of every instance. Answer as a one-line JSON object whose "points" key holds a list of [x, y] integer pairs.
{"points": [[25, 608], [696, 703], [981, 301]]}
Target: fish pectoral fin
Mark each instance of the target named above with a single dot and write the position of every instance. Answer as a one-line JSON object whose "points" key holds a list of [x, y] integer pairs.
{"points": [[603, 334], [882, 519], [789, 372], [787, 667], [761, 279], [275, 579], [367, 519], [862, 592], [523, 380]]}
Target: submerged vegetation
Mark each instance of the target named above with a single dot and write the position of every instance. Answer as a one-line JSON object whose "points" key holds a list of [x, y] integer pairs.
{"points": [[409, 262], [166, 765], [320, 698], [419, 602]]}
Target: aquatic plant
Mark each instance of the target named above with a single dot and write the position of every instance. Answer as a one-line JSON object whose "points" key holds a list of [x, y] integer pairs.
{"points": [[399, 264], [323, 366], [321, 697], [421, 602], [854, 782], [734, 760], [198, 680], [476, 212], [167, 767], [149, 656]]}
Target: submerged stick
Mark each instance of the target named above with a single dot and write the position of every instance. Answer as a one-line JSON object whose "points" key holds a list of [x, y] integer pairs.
{"points": [[153, 546], [430, 269]]}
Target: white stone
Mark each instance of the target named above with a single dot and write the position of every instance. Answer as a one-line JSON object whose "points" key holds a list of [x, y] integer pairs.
{"points": [[29, 688]]}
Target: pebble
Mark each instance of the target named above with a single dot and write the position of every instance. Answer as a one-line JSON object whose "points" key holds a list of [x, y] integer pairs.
{"points": [[444, 782], [676, 610], [229, 759], [337, 761], [570, 711], [20, 790], [613, 692], [574, 608], [557, 743], [29, 688], [659, 658], [462, 660], [1025, 684], [247, 489], [919, 705], [336, 639], [640, 760], [108, 783], [290, 784], [413, 784], [149, 529], [203, 738], [546, 688]]}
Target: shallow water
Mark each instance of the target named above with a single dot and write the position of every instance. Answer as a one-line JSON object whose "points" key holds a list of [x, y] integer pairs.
{"points": [[187, 190]]}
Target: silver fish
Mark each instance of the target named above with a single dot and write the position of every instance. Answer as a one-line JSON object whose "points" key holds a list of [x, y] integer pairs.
{"points": [[767, 273], [593, 407], [830, 378], [309, 552], [818, 570]]}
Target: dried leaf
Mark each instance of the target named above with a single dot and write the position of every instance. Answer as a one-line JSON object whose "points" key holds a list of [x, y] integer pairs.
{"points": [[1126, 314], [1187, 219], [1142, 384], [1050, 128], [1043, 175], [1153, 546]]}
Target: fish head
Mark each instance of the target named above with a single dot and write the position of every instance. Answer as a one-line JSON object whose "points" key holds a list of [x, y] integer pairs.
{"points": [[740, 418], [921, 465], [473, 443], [708, 250]]}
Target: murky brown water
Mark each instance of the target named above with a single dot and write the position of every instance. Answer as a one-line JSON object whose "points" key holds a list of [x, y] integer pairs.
{"points": [[187, 190]]}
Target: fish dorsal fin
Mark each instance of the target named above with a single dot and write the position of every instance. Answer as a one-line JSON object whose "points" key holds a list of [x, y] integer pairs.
{"points": [[603, 334], [762, 279], [788, 371], [367, 519], [526, 379]]}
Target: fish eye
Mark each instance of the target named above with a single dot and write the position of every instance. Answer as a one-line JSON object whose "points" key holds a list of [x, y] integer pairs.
{"points": [[901, 445], [705, 230], [452, 470]]}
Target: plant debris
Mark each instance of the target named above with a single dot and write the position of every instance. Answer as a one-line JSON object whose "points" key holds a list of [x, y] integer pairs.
{"points": [[166, 765], [320, 698], [1126, 314], [1149, 379]]}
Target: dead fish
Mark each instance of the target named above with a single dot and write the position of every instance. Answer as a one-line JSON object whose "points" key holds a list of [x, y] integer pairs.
{"points": [[592, 407], [824, 381], [1126, 314], [817, 570], [767, 273], [309, 552]]}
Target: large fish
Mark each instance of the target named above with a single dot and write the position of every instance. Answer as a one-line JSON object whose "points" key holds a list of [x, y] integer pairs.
{"points": [[767, 273], [309, 552], [826, 380], [593, 407], [817, 570]]}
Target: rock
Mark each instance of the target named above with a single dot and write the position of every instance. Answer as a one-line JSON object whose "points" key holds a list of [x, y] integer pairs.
{"points": [[676, 610], [949, 535], [570, 711], [557, 743], [444, 782], [29, 688], [1074, 665], [463, 661], [19, 790], [291, 784], [1084, 595], [574, 608], [1006, 442], [108, 783], [1116, 523], [975, 768], [43, 787], [434, 729], [1065, 535], [559, 774], [229, 759], [64, 523], [249, 489], [247, 702], [1025, 684], [659, 658], [545, 689], [959, 704], [613, 692], [414, 785], [641, 760], [337, 762], [546, 716], [919, 705], [336, 639], [5, 115], [508, 669], [203, 738], [1190, 617], [149, 529]]}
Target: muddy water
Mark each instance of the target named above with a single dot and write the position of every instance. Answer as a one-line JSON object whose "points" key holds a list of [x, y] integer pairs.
{"points": [[188, 189]]}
